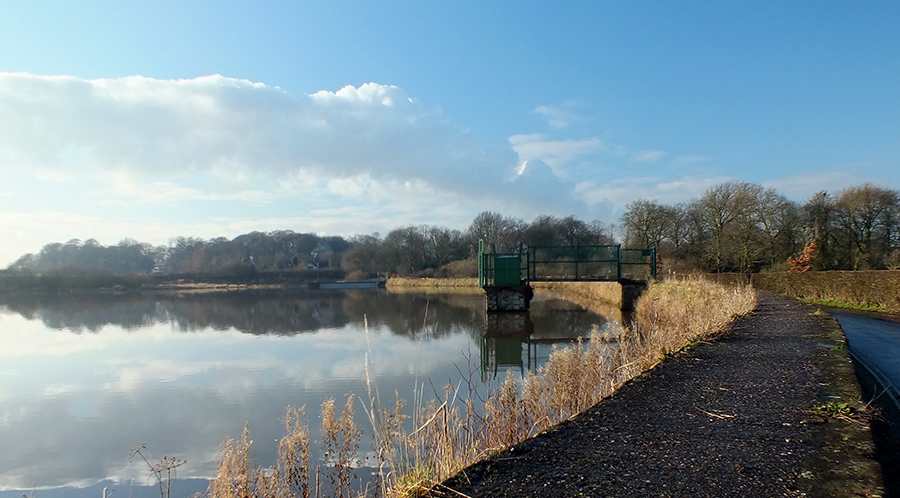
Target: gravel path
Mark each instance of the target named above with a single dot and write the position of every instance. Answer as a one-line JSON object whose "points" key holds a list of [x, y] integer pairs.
{"points": [[723, 419]]}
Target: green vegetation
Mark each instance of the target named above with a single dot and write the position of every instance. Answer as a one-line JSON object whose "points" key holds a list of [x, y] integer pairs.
{"points": [[838, 304], [418, 450], [834, 409]]}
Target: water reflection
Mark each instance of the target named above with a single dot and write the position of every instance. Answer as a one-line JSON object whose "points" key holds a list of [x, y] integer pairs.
{"points": [[273, 312], [83, 378], [524, 340]]}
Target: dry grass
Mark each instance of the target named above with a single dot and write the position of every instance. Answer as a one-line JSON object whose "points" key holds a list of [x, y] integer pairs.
{"points": [[592, 295], [293, 455], [236, 475], [340, 438], [441, 437], [399, 282], [675, 313], [291, 477]]}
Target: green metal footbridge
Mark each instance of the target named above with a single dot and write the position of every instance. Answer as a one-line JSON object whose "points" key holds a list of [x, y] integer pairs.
{"points": [[597, 263]]}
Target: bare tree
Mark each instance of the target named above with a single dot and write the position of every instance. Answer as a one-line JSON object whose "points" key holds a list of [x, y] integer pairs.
{"points": [[779, 219], [543, 231], [715, 214], [498, 231], [747, 234], [644, 223], [676, 226], [868, 214]]}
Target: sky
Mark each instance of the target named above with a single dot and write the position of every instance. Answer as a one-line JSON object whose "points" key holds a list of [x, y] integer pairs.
{"points": [[151, 120]]}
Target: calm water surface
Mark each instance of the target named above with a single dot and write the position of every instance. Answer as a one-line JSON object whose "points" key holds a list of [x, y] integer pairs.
{"points": [[85, 378]]}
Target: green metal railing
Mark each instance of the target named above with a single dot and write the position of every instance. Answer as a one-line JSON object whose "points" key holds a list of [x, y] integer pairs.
{"points": [[501, 269], [594, 263]]}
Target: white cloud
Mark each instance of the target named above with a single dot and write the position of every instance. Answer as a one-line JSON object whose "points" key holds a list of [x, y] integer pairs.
{"points": [[215, 156], [554, 153], [802, 186], [621, 191], [647, 156], [51, 176], [690, 159], [231, 127], [126, 188], [563, 115], [79, 147]]}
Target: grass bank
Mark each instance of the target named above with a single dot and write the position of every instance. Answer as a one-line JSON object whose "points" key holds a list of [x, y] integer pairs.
{"points": [[599, 296], [419, 446], [418, 283]]}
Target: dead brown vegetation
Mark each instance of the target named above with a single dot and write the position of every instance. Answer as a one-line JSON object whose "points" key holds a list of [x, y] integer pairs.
{"points": [[591, 295], [803, 262], [400, 282]]}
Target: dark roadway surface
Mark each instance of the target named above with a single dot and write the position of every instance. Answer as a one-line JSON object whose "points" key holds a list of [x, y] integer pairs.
{"points": [[731, 418], [876, 343]]}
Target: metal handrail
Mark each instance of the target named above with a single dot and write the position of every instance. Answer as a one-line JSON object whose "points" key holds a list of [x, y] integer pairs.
{"points": [[577, 258]]}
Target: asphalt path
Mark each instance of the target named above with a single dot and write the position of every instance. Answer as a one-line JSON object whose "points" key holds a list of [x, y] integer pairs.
{"points": [[875, 343]]}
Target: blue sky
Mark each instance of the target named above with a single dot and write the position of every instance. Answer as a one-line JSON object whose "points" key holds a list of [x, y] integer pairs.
{"points": [[211, 119]]}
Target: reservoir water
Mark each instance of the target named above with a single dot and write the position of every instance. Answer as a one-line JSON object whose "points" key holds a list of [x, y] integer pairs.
{"points": [[84, 378]]}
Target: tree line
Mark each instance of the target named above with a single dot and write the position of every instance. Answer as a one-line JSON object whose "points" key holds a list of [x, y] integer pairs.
{"points": [[734, 226], [414, 250], [745, 227]]}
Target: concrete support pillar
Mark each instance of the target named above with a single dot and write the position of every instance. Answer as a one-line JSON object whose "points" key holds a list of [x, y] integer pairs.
{"points": [[631, 291], [516, 298]]}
